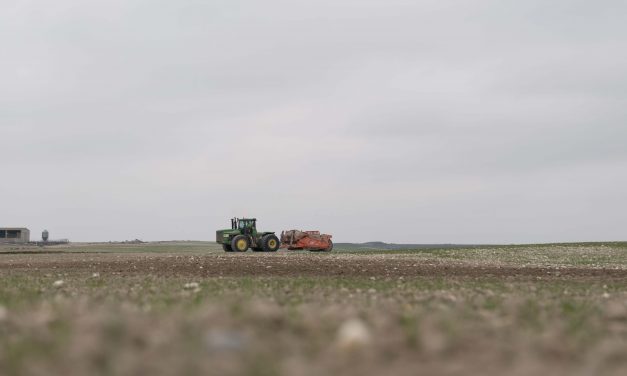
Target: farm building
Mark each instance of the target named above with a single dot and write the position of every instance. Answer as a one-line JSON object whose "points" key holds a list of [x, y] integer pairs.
{"points": [[14, 235]]}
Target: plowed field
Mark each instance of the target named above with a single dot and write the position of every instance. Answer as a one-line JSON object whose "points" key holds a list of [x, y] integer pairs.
{"points": [[189, 308]]}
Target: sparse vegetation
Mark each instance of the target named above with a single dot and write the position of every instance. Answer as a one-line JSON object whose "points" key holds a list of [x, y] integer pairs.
{"points": [[187, 308]]}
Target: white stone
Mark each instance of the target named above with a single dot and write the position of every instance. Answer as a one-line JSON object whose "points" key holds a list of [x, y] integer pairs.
{"points": [[58, 283], [193, 286], [353, 334]]}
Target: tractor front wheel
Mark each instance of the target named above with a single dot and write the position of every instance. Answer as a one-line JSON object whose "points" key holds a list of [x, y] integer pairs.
{"points": [[227, 248], [270, 243], [240, 243]]}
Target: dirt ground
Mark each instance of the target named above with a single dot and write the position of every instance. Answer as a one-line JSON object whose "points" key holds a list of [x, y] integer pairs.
{"points": [[284, 264], [188, 308]]}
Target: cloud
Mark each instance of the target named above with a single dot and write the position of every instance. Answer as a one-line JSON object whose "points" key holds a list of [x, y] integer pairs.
{"points": [[434, 121]]}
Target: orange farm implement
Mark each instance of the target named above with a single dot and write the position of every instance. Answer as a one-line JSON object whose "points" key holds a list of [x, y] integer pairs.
{"points": [[308, 240]]}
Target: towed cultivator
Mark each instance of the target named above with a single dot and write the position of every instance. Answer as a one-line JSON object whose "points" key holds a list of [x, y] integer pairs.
{"points": [[308, 240]]}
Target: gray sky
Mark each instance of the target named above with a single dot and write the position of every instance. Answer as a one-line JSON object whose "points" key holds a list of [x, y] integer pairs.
{"points": [[402, 121]]}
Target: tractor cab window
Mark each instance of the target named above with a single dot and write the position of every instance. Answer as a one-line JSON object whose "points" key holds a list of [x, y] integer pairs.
{"points": [[245, 224]]}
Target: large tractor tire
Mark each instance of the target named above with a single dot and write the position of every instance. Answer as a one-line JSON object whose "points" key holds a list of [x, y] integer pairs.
{"points": [[227, 248], [240, 243], [270, 243]]}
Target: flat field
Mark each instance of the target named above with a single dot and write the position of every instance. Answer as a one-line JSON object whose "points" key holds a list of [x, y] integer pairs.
{"points": [[187, 308]]}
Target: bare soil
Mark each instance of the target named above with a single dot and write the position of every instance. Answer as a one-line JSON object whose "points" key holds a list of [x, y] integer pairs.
{"points": [[189, 308], [287, 264]]}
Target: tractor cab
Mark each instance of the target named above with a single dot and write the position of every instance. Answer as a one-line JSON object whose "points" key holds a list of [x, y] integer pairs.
{"points": [[244, 225]]}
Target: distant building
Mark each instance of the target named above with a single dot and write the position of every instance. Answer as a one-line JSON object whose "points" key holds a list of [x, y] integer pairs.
{"points": [[14, 235]]}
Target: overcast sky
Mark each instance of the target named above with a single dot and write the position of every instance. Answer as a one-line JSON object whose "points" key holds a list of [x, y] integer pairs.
{"points": [[402, 121]]}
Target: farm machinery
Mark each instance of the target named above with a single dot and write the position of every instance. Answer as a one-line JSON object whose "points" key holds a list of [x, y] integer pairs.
{"points": [[309, 240], [243, 235]]}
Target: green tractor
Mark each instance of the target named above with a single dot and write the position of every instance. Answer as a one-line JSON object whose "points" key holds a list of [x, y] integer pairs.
{"points": [[243, 234]]}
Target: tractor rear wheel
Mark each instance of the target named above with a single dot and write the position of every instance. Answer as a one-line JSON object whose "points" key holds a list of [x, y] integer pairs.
{"points": [[240, 243], [270, 243], [227, 248]]}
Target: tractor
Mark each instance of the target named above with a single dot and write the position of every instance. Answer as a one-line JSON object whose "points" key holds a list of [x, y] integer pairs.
{"points": [[243, 234]]}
